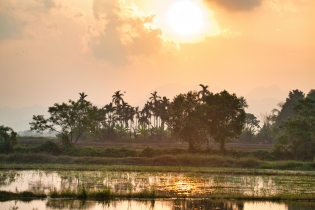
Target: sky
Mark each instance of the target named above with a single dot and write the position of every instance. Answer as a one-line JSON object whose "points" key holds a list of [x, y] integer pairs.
{"points": [[50, 50]]}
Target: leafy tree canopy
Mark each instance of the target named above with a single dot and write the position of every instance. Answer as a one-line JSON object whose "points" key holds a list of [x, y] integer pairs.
{"points": [[224, 116], [70, 120], [7, 139], [184, 121], [251, 127], [193, 119], [311, 94], [251, 123], [287, 108], [297, 135]]}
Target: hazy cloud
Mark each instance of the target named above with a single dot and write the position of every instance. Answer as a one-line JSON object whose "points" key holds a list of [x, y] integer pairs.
{"points": [[10, 26], [120, 33], [143, 41], [48, 4], [109, 47], [237, 5]]}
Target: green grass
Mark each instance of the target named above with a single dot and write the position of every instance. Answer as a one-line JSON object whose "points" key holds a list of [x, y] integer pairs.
{"points": [[139, 168], [25, 195], [289, 165], [179, 160]]}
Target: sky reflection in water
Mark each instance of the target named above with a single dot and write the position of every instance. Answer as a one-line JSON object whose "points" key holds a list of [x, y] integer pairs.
{"points": [[170, 204]]}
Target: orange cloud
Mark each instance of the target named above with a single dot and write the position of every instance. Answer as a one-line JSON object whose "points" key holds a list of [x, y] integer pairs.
{"points": [[120, 33]]}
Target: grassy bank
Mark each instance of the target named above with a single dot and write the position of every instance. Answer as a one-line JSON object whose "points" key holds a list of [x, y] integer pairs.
{"points": [[52, 148], [82, 157], [25, 195], [139, 168]]}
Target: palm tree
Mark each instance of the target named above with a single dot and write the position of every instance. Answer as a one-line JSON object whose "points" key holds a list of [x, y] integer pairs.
{"points": [[117, 97], [154, 106], [144, 120], [204, 91], [137, 115], [154, 97], [164, 104], [110, 109], [130, 116], [124, 113], [82, 97], [145, 115]]}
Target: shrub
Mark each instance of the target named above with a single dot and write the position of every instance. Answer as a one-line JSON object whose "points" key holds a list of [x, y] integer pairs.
{"points": [[82, 193], [7, 139], [148, 152], [49, 147], [262, 155], [249, 163], [102, 194]]}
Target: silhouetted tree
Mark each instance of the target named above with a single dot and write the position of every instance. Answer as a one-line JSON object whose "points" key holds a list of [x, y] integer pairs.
{"points": [[287, 108], [70, 120], [7, 139], [297, 134], [251, 127], [184, 120], [311, 94], [224, 117]]}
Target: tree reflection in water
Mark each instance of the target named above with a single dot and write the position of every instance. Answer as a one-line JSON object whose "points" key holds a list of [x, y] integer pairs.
{"points": [[158, 204], [206, 204], [177, 204], [74, 204]]}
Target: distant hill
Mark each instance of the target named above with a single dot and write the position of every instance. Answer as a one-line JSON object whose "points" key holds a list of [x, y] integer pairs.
{"points": [[272, 92], [19, 118], [262, 100]]}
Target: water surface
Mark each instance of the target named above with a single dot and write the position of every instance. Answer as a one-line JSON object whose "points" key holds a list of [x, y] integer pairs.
{"points": [[169, 204], [172, 184]]}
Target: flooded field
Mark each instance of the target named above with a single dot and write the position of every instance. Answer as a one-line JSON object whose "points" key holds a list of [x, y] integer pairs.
{"points": [[159, 204], [164, 184], [181, 191]]}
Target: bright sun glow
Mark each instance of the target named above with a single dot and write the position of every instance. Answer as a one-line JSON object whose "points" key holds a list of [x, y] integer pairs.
{"points": [[182, 21], [185, 18]]}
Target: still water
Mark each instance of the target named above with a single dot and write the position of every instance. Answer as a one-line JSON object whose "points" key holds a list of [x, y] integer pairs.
{"points": [[170, 204], [171, 184]]}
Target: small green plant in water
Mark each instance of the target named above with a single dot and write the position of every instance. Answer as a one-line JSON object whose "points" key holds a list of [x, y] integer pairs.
{"points": [[104, 194], [83, 193]]}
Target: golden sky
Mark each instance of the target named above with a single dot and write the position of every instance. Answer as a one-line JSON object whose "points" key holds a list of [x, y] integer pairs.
{"points": [[50, 50]]}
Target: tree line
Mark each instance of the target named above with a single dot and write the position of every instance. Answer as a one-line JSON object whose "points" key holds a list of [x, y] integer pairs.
{"points": [[193, 117]]}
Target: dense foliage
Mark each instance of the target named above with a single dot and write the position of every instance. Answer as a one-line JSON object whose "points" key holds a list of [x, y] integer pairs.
{"points": [[189, 117], [7, 139], [69, 120], [194, 117], [297, 135]]}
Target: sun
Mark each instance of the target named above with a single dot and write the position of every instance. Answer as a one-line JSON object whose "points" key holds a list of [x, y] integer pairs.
{"points": [[185, 18], [182, 21]]}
